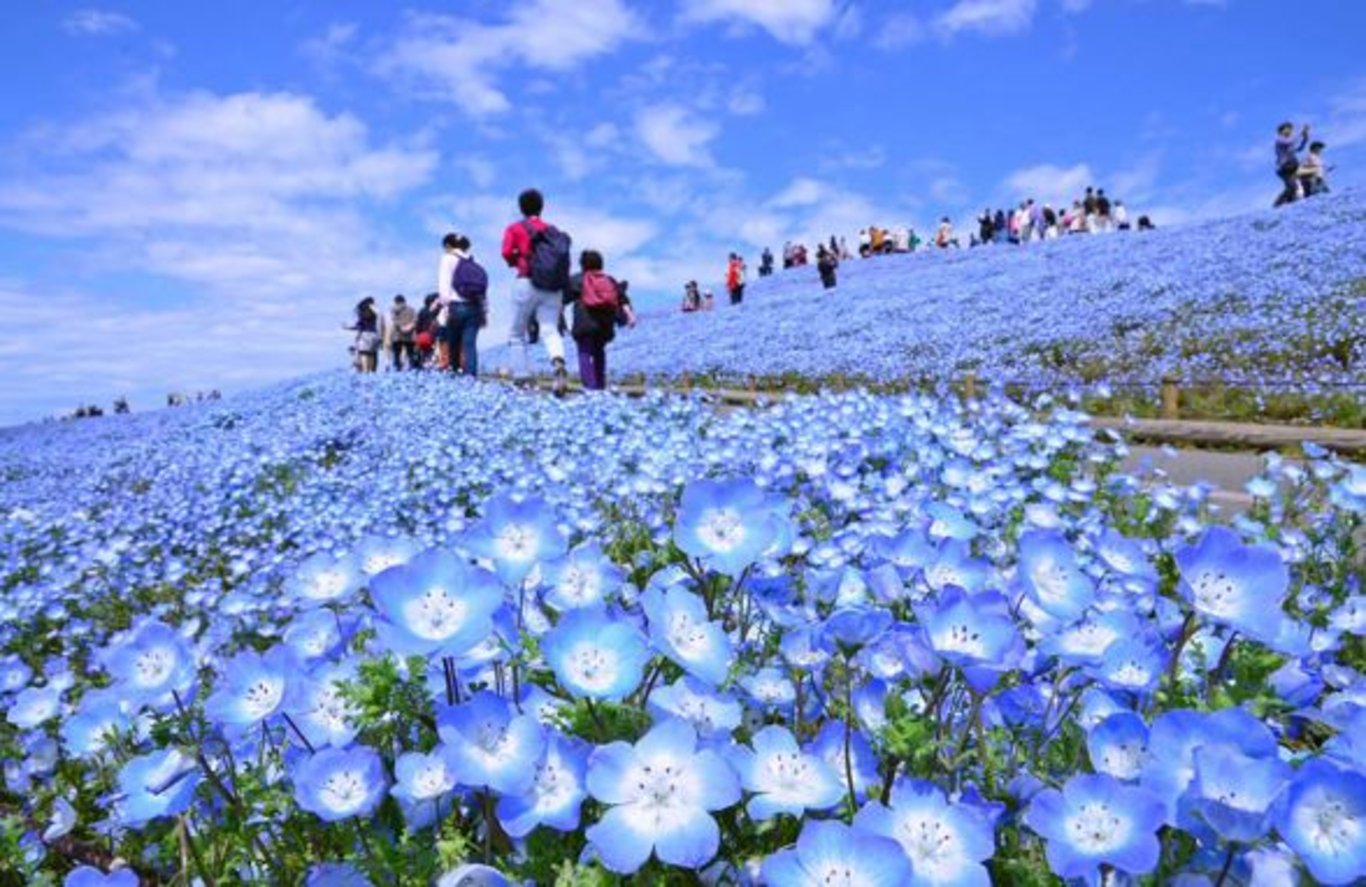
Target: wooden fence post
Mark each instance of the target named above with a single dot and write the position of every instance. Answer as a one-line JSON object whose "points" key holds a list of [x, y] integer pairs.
{"points": [[1171, 397]]}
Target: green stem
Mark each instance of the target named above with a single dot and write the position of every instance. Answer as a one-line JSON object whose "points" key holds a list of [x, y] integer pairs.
{"points": [[848, 737]]}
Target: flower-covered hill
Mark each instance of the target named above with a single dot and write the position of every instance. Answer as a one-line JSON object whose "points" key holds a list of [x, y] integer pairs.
{"points": [[1274, 299], [385, 630]]}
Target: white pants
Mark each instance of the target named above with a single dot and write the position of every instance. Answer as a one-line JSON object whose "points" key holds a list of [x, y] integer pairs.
{"points": [[544, 305]]}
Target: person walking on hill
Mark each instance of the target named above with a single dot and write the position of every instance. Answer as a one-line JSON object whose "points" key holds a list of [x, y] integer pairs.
{"points": [[1288, 161], [369, 326], [598, 304], [403, 322], [463, 284], [539, 255], [735, 278], [425, 338], [826, 264], [1311, 171], [766, 263]]}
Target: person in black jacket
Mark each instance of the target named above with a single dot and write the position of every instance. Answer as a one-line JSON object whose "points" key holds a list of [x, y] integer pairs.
{"points": [[598, 305], [826, 263]]}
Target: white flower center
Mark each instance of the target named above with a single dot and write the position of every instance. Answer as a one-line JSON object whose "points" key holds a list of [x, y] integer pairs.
{"points": [[1095, 828], [436, 614], [1215, 593], [153, 667], [721, 529], [343, 790], [515, 542], [262, 696], [591, 666], [927, 841]]}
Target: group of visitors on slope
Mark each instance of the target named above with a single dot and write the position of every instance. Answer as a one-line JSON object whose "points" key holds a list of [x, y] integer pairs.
{"points": [[1093, 213], [443, 334], [1299, 178]]}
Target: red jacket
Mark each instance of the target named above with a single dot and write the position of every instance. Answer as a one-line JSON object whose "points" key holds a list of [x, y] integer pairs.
{"points": [[517, 245]]}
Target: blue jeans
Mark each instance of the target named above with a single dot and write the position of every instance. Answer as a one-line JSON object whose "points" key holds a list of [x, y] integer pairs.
{"points": [[462, 333]]}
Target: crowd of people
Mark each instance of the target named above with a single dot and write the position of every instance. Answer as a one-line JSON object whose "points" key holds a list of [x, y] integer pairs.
{"points": [[550, 301]]}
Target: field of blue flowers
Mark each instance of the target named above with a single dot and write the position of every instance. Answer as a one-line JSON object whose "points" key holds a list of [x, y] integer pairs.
{"points": [[405, 629], [1271, 301]]}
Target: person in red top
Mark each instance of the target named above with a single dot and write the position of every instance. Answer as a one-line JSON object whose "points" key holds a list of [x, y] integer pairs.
{"points": [[735, 278], [527, 300]]}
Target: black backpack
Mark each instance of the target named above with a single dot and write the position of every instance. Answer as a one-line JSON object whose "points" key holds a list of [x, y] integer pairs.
{"points": [[548, 264]]}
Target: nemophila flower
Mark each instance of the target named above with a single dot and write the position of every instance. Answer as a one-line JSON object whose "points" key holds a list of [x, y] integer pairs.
{"points": [[252, 687], [374, 554], [97, 717], [945, 843], [516, 535], [320, 709], [595, 656], [680, 629], [161, 783], [726, 524], [61, 821], [1097, 820], [422, 782], [770, 688], [14, 674], [335, 874], [34, 706], [1322, 815], [89, 876], [317, 634], [850, 628], [491, 743], [712, 714], [955, 566], [1349, 492], [1126, 557], [830, 852], [325, 578], [435, 603], [472, 874], [968, 630], [1085, 642], [947, 522], [661, 792], [1241, 586], [337, 784], [151, 664], [556, 792], [1118, 745], [1135, 664], [1051, 577], [862, 760], [782, 777], [582, 578], [1233, 792], [1174, 736]]}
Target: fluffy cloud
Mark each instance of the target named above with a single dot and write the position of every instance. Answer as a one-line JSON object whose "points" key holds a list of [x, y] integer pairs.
{"points": [[901, 30], [1049, 183], [97, 23], [790, 21], [227, 235], [457, 59], [991, 17], [676, 136]]}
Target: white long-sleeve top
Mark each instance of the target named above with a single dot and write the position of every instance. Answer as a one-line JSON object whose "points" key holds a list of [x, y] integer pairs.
{"points": [[445, 273]]}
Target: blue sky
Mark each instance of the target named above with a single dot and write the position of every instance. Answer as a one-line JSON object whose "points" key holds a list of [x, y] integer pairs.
{"points": [[194, 195]]}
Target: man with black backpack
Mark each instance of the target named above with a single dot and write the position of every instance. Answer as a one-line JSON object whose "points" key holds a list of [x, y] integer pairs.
{"points": [[539, 254]]}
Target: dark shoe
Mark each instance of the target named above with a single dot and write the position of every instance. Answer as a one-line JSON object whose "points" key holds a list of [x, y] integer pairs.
{"points": [[561, 382]]}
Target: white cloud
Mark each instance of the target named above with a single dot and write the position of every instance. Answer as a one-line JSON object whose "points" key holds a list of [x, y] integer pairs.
{"points": [[230, 236], [458, 60], [1075, 6], [901, 30], [676, 136], [992, 17], [1049, 184], [98, 23], [789, 21]]}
